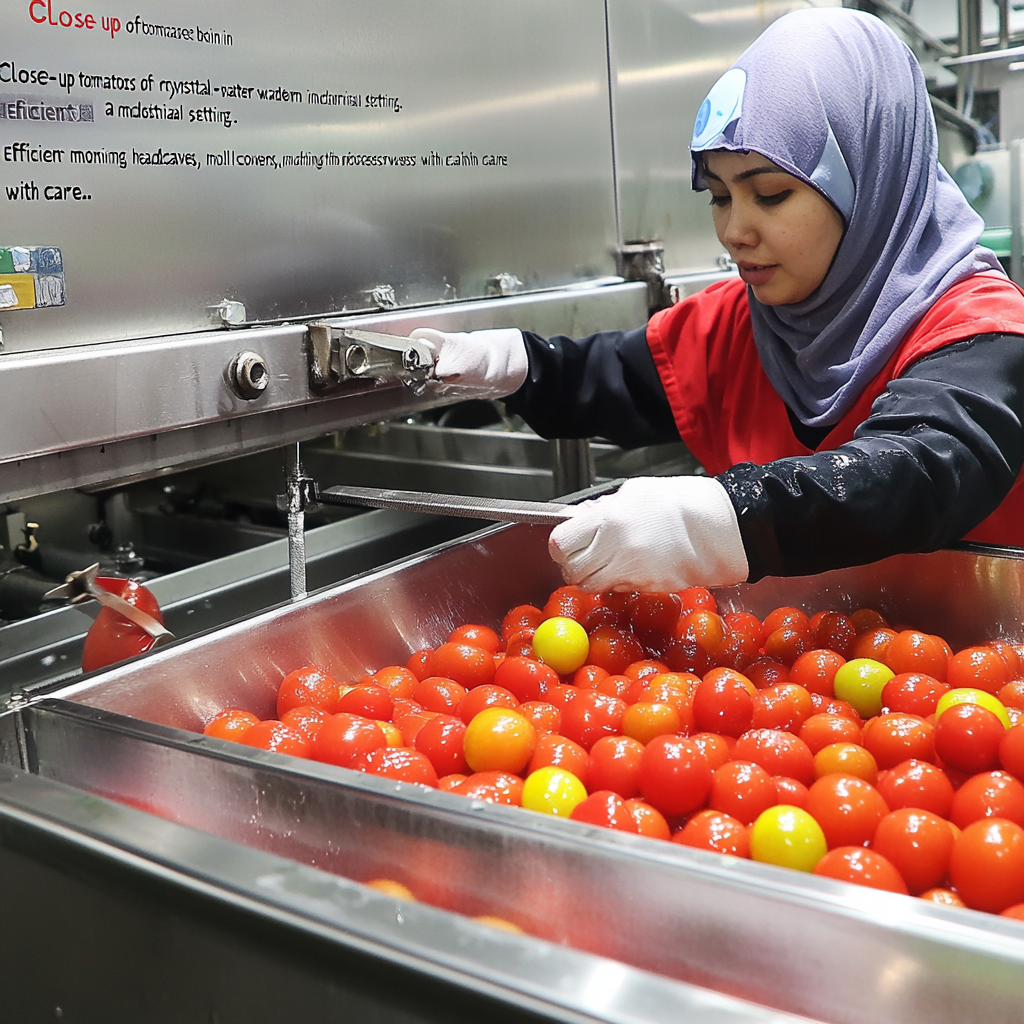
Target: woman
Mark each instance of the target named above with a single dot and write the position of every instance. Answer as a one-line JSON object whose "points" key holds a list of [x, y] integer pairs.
{"points": [[859, 392]]}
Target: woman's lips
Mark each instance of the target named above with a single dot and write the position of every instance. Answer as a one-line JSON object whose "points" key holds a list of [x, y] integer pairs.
{"points": [[755, 275]]}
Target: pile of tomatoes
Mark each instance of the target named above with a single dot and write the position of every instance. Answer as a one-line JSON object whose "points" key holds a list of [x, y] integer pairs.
{"points": [[831, 743]]}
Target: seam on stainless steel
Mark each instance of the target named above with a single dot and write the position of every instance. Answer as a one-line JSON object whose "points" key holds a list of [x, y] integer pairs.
{"points": [[612, 85], [22, 739]]}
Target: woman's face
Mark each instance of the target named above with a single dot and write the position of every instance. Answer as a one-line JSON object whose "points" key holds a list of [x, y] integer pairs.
{"points": [[779, 231]]}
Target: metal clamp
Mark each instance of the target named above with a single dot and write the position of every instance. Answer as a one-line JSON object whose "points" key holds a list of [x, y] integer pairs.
{"points": [[341, 354]]}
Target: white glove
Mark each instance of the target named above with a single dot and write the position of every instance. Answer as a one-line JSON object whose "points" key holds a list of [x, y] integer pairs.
{"points": [[485, 364], [654, 533]]}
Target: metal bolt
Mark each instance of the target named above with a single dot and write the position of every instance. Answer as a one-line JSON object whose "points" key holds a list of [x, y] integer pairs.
{"points": [[230, 312], [249, 375]]}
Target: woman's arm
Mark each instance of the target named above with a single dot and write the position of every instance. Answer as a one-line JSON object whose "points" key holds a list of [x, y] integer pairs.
{"points": [[941, 449], [605, 385]]}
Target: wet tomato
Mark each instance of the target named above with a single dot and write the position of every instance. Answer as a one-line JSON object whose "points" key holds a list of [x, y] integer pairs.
{"points": [[943, 897], [967, 738], [614, 650], [873, 644], [562, 643], [788, 837], [643, 721], [486, 696], [520, 645], [553, 791], [918, 844], [783, 706], [523, 616], [1011, 751], [441, 741], [499, 739], [777, 752], [476, 636], [917, 784], [694, 598], [674, 775], [306, 718], [525, 678], [912, 651], [591, 716], [860, 682], [785, 618], [607, 809], [111, 637], [913, 693], [847, 808], [785, 645], [557, 751], [307, 685], [764, 673], [987, 865], [230, 724], [789, 791], [614, 764], [833, 632], [742, 789], [542, 716], [649, 822], [978, 667], [493, 787], [717, 831], [417, 665], [277, 736], [623, 687], [347, 740], [402, 764], [645, 669], [723, 702], [821, 730], [653, 616], [898, 737], [467, 665], [846, 759], [988, 795], [588, 676], [436, 693], [366, 699], [569, 602], [716, 749], [1012, 694], [861, 867], [398, 680], [816, 671]]}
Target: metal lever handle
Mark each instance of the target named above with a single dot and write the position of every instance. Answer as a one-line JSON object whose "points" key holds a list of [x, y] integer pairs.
{"points": [[80, 586], [501, 510]]}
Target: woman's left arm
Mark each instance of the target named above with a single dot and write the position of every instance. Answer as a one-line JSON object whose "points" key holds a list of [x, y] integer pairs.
{"points": [[941, 449]]}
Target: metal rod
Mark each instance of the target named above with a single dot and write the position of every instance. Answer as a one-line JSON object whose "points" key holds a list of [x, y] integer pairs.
{"points": [[1004, 23], [906, 22], [573, 465], [296, 521], [1016, 213]]}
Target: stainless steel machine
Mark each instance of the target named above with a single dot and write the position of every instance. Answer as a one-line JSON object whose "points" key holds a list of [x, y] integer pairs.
{"points": [[201, 205]]}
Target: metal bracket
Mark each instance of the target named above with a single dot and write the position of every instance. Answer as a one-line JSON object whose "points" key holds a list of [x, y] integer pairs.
{"points": [[645, 261], [341, 354]]}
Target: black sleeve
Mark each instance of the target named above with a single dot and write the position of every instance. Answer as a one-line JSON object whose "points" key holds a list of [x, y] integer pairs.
{"points": [[602, 386], [941, 449]]}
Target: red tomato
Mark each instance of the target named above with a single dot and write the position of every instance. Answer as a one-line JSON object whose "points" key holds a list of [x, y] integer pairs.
{"points": [[562, 695], [410, 725], [486, 696], [865, 619], [476, 636], [723, 702], [743, 790], [614, 764], [436, 693], [778, 753], [623, 687], [277, 736], [987, 864], [764, 673], [470, 666], [613, 649], [447, 783], [822, 730], [587, 677], [493, 787], [561, 752], [917, 784], [874, 644], [417, 665], [398, 680], [441, 741], [894, 738], [572, 602], [988, 795], [606, 809], [980, 668], [674, 776], [401, 763], [784, 706], [847, 808], [230, 724], [824, 706], [307, 719], [687, 656], [1011, 751], [653, 616], [911, 651], [1015, 913], [713, 830], [717, 749], [832, 632], [542, 716], [789, 791], [651, 823], [644, 721], [307, 685], [1010, 655], [785, 618], [523, 616], [645, 669], [366, 699], [846, 759], [591, 716], [967, 738], [696, 597], [943, 897], [787, 644], [112, 637], [918, 844], [705, 629], [913, 693], [520, 645], [403, 707], [347, 740], [525, 678], [861, 867], [1012, 694], [816, 671], [743, 622]]}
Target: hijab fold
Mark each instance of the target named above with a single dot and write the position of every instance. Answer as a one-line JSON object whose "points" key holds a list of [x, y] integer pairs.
{"points": [[819, 79]]}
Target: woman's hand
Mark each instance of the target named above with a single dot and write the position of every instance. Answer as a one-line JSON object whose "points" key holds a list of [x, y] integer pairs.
{"points": [[481, 364], [654, 533]]}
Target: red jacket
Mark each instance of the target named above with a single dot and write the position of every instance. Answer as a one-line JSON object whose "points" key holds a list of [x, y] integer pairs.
{"points": [[727, 411]]}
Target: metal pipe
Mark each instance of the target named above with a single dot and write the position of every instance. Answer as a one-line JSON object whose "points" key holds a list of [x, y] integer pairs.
{"points": [[1004, 23], [295, 489], [573, 465], [968, 18], [1016, 227]]}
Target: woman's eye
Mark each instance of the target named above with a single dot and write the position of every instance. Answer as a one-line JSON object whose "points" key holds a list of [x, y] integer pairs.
{"points": [[719, 200], [774, 200]]}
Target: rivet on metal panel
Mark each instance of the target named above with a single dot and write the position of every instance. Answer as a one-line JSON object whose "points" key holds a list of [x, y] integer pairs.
{"points": [[230, 312], [503, 284], [248, 375], [383, 295]]}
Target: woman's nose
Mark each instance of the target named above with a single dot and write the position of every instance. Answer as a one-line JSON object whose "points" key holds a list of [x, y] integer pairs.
{"points": [[740, 230]]}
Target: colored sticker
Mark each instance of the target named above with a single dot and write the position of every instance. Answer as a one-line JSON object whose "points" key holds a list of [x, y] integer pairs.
{"points": [[23, 287], [6, 262]]}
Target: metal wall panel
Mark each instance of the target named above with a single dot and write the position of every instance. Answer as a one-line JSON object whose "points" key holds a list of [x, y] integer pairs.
{"points": [[666, 55], [289, 206]]}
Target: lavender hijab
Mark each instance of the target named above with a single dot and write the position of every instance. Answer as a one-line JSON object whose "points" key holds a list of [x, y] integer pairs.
{"points": [[835, 98]]}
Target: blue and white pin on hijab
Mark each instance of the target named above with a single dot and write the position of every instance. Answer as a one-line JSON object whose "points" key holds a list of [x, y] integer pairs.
{"points": [[723, 106]]}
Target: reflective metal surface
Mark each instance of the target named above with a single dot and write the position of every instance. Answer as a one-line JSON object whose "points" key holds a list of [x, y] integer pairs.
{"points": [[114, 915], [302, 160]]}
